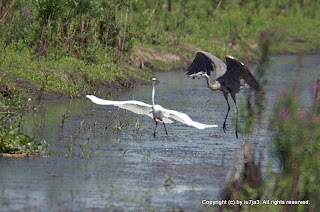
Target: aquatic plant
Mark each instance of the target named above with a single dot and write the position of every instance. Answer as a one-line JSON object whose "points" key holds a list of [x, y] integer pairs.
{"points": [[138, 129], [12, 140], [296, 147], [146, 157], [64, 117], [169, 182]]}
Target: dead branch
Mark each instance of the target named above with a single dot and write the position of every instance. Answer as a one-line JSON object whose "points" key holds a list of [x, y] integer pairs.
{"points": [[3, 75], [6, 13], [215, 11]]}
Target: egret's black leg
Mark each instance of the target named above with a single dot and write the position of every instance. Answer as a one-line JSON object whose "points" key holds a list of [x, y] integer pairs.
{"points": [[165, 128], [154, 132], [233, 95], [224, 123]]}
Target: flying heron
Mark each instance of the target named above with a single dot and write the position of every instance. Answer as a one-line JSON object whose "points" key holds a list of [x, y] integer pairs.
{"points": [[227, 77], [156, 112]]}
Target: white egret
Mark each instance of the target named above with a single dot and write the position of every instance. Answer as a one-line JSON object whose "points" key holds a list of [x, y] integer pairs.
{"points": [[156, 112]]}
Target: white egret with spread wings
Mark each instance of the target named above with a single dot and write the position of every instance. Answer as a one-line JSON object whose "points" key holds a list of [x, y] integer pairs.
{"points": [[156, 112], [227, 77]]}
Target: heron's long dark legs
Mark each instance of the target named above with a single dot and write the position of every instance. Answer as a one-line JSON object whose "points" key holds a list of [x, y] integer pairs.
{"points": [[233, 95], [165, 128], [154, 132], [224, 123]]}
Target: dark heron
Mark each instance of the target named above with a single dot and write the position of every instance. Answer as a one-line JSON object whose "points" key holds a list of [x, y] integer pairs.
{"points": [[227, 76]]}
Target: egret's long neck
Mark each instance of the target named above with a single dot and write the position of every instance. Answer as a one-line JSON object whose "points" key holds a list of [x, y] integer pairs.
{"points": [[153, 92], [215, 86]]}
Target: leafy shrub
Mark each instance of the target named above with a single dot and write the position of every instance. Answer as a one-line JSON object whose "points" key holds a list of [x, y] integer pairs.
{"points": [[296, 146], [12, 140]]}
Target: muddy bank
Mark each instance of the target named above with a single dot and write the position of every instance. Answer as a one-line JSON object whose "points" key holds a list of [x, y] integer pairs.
{"points": [[161, 60]]}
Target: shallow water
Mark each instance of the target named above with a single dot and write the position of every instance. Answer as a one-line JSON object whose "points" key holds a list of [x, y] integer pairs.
{"points": [[104, 158]]}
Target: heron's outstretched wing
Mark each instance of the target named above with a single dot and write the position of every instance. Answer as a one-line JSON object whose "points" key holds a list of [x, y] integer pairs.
{"points": [[203, 63], [185, 119], [131, 105], [200, 64], [238, 70], [220, 66]]}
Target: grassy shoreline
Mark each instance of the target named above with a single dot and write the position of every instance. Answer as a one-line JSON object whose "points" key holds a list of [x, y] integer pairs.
{"points": [[72, 78], [60, 49]]}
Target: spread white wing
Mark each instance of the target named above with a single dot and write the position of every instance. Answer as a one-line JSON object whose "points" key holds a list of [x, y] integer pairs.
{"points": [[131, 105], [146, 109], [185, 119]]}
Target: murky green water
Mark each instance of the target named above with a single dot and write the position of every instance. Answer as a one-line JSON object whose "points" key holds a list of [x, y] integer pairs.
{"points": [[103, 158]]}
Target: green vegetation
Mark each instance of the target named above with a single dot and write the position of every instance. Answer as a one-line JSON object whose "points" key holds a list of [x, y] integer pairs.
{"points": [[76, 47], [12, 140], [296, 146]]}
